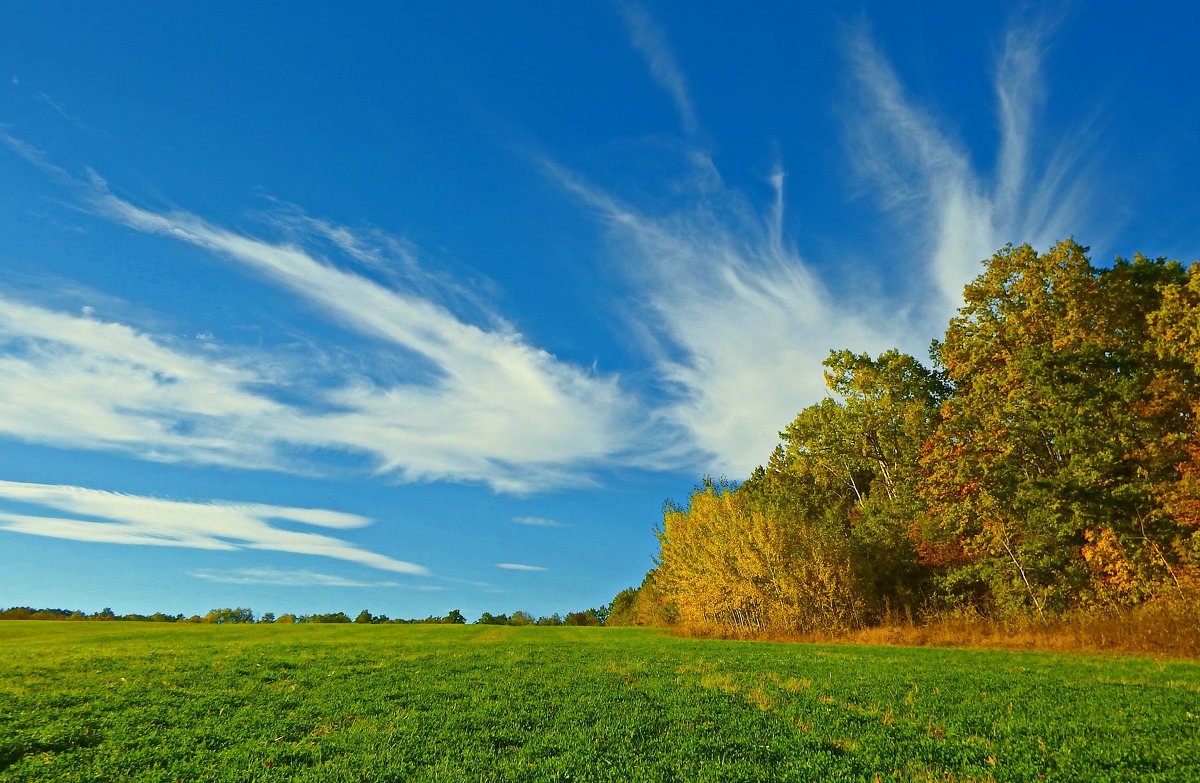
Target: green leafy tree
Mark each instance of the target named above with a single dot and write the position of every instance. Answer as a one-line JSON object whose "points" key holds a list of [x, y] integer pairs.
{"points": [[1041, 448], [621, 611], [229, 615], [1176, 330], [587, 617], [520, 619], [335, 617], [645, 605], [890, 410]]}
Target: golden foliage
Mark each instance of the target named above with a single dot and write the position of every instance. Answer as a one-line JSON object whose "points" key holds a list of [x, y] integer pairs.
{"points": [[1112, 570], [729, 567]]}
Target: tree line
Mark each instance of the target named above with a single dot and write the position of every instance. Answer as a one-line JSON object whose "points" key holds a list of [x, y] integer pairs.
{"points": [[1046, 462], [230, 615]]}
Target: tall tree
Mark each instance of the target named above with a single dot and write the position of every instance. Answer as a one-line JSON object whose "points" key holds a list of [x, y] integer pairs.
{"points": [[1176, 328], [1040, 452]]}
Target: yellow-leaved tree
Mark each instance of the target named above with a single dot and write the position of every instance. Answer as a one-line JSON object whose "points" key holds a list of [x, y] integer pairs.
{"points": [[732, 565]]}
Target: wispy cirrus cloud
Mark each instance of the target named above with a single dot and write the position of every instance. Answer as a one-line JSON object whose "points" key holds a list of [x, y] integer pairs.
{"points": [[906, 158], [448, 398], [738, 323], [76, 381], [282, 578], [98, 516], [394, 260], [651, 43], [537, 522], [519, 567], [497, 409]]}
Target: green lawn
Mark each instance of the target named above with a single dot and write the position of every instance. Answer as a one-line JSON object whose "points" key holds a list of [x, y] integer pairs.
{"points": [[162, 702]]}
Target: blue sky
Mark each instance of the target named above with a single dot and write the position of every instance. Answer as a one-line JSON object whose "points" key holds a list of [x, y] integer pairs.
{"points": [[421, 307]]}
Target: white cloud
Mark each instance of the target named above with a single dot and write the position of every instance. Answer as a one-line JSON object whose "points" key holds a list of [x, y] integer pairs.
{"points": [[499, 410], [273, 576], [537, 522], [736, 322], [109, 517], [519, 567], [53, 104], [77, 381], [649, 41], [905, 157], [34, 156], [393, 259], [485, 405]]}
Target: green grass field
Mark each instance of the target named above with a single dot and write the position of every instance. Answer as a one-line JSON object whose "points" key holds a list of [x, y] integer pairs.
{"points": [[160, 702]]}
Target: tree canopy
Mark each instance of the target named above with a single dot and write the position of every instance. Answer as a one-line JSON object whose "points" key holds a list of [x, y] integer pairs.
{"points": [[1047, 460]]}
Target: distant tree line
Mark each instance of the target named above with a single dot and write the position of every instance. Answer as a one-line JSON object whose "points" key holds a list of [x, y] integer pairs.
{"points": [[1048, 462], [596, 617], [229, 615]]}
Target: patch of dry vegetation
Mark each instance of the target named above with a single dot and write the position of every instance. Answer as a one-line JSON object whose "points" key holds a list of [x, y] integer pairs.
{"points": [[1167, 627]]}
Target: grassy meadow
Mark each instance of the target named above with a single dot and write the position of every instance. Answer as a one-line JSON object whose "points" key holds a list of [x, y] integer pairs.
{"points": [[176, 702]]}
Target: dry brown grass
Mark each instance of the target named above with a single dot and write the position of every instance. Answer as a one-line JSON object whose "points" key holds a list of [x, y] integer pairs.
{"points": [[1168, 627]]}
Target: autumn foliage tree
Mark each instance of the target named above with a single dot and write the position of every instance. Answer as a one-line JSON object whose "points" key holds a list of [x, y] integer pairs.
{"points": [[1043, 467], [1176, 329], [1049, 461], [729, 562]]}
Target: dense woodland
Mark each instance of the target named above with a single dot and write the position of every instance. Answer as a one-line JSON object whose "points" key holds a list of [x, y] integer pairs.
{"points": [[1046, 463]]}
